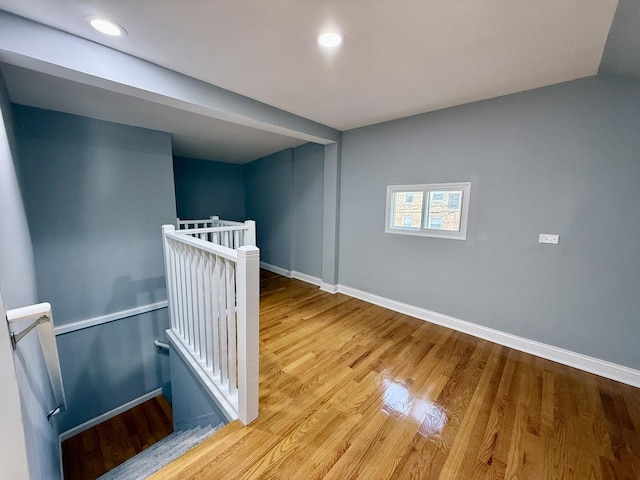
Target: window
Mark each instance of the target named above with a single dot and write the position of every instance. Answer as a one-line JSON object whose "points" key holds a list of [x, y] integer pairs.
{"points": [[437, 210], [453, 201], [435, 223]]}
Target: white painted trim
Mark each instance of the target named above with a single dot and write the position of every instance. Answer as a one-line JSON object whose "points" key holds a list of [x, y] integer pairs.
{"points": [[112, 317], [293, 274], [327, 287], [279, 270], [110, 414], [589, 364], [306, 278]]}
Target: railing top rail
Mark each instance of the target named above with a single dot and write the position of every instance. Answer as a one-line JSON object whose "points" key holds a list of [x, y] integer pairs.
{"points": [[191, 231], [227, 222], [184, 221], [27, 313], [195, 221], [169, 231]]}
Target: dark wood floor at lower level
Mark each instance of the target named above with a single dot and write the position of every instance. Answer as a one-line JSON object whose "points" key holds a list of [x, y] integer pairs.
{"points": [[93, 452]]}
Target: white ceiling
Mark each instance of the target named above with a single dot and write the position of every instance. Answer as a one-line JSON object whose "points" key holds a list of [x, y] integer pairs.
{"points": [[401, 57]]}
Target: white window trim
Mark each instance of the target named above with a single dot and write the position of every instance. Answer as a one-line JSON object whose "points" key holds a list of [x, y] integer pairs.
{"points": [[465, 187]]}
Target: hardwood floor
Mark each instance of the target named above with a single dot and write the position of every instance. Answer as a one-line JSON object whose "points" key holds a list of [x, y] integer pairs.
{"points": [[93, 452], [352, 390]]}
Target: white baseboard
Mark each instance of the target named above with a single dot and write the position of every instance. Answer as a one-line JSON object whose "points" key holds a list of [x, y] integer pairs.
{"points": [[112, 317], [327, 287], [291, 274], [306, 278], [110, 414], [599, 367], [279, 270]]}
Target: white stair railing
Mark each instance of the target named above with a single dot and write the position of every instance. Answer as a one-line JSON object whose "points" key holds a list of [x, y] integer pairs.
{"points": [[212, 221], [213, 293], [221, 232]]}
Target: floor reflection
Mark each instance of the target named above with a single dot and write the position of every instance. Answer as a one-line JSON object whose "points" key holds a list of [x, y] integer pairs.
{"points": [[398, 400]]}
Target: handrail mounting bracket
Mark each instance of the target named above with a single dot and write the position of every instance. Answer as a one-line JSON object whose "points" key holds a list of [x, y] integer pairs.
{"points": [[15, 338]]}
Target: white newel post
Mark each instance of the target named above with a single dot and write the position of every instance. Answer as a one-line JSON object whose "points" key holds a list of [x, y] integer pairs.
{"points": [[250, 238], [248, 291]]}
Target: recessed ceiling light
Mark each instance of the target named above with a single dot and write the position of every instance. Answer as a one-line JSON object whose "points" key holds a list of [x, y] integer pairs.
{"points": [[106, 26], [330, 39]]}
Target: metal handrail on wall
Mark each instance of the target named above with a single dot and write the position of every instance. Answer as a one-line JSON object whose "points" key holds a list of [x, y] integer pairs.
{"points": [[42, 319]]}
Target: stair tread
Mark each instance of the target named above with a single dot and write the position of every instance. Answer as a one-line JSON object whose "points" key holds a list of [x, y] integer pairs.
{"points": [[160, 454]]}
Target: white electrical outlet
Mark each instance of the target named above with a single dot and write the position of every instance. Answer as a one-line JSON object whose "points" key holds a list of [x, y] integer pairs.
{"points": [[551, 238]]}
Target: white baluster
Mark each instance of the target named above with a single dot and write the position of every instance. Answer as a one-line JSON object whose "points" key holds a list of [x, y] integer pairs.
{"points": [[182, 291], [208, 311], [231, 326], [201, 307], [196, 302], [193, 264], [189, 298], [217, 309], [175, 254], [185, 294], [224, 371]]}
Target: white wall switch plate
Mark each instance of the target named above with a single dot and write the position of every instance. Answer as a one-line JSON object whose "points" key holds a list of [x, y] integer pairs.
{"points": [[549, 238]]}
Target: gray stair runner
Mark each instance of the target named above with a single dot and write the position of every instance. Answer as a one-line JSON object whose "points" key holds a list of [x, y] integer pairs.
{"points": [[160, 454]]}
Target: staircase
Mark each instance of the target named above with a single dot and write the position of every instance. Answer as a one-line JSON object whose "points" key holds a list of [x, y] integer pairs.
{"points": [[160, 454]]}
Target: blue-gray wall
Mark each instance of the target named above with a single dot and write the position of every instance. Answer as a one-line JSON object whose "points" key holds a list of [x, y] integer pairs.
{"points": [[621, 55], [205, 188], [192, 405], [96, 195], [26, 432], [562, 159], [308, 175], [284, 195], [107, 366], [268, 193]]}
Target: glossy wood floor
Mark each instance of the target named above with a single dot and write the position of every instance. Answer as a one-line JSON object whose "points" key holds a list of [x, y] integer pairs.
{"points": [[351, 390], [93, 452]]}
